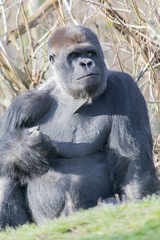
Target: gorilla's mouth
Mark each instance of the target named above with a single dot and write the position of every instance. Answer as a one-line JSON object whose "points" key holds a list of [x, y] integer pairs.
{"points": [[88, 75]]}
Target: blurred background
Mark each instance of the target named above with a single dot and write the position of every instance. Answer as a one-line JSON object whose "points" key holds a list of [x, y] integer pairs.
{"points": [[129, 32]]}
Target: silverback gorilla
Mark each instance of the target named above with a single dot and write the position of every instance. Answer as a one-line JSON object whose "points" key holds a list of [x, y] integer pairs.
{"points": [[82, 136]]}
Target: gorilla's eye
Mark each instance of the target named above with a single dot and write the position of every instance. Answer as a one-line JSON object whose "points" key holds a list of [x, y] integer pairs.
{"points": [[52, 58], [91, 53], [74, 55]]}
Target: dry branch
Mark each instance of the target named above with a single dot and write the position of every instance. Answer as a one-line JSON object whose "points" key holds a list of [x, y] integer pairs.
{"points": [[46, 8], [140, 33]]}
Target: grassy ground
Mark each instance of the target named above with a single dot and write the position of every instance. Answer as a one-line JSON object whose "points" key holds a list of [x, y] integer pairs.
{"points": [[137, 221]]}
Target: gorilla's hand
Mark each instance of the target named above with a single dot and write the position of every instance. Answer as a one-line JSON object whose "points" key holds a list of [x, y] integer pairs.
{"points": [[41, 143], [35, 150], [25, 154]]}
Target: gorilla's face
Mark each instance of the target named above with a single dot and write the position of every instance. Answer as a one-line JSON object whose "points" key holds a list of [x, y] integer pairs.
{"points": [[79, 63]]}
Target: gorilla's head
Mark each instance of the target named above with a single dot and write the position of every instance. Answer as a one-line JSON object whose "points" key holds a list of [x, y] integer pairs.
{"points": [[78, 61]]}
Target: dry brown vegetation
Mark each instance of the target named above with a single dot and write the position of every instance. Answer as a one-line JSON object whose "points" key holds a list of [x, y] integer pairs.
{"points": [[129, 31]]}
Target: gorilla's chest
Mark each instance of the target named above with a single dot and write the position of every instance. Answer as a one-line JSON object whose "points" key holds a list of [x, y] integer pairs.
{"points": [[78, 133]]}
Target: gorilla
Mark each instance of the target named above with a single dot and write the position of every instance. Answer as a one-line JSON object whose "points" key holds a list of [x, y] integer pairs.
{"points": [[80, 137]]}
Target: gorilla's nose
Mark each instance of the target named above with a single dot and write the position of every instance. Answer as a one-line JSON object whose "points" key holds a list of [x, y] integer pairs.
{"points": [[86, 63]]}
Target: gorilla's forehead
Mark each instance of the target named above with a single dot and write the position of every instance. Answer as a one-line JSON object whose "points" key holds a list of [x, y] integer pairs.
{"points": [[69, 35], [59, 40]]}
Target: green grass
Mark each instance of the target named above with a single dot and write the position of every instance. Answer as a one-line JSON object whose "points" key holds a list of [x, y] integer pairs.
{"points": [[137, 221]]}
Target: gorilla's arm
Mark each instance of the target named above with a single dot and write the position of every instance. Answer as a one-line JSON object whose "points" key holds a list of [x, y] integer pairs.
{"points": [[24, 151], [130, 140], [25, 110]]}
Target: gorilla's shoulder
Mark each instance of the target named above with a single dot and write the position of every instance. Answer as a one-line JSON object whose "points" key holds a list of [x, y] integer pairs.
{"points": [[121, 81], [120, 77]]}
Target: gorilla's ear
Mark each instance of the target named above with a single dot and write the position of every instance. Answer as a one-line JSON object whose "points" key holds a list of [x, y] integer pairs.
{"points": [[52, 58]]}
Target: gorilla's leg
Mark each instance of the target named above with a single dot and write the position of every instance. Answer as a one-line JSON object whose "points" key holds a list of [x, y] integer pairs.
{"points": [[46, 196], [13, 206]]}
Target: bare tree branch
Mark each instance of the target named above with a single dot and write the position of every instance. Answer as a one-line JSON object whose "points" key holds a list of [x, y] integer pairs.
{"points": [[46, 8]]}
